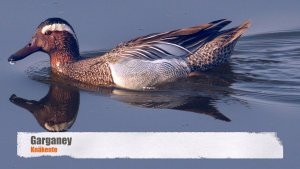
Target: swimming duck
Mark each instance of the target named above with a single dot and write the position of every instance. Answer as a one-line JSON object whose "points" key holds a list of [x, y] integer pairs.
{"points": [[140, 63]]}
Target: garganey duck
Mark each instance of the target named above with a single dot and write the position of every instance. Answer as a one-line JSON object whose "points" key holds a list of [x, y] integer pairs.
{"points": [[140, 63]]}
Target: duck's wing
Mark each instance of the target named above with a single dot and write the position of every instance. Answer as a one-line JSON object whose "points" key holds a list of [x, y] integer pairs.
{"points": [[150, 60], [173, 44]]}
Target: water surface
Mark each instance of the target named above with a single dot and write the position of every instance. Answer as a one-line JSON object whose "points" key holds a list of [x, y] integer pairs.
{"points": [[257, 91]]}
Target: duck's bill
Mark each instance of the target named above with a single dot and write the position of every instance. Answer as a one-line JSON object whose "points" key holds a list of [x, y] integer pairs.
{"points": [[23, 53], [27, 104]]}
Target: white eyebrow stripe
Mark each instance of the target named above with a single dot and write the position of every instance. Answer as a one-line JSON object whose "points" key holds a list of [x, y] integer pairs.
{"points": [[58, 27]]}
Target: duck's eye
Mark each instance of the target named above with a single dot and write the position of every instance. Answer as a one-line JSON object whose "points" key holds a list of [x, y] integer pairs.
{"points": [[48, 32]]}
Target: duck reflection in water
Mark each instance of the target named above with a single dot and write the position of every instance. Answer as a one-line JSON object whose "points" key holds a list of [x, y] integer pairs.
{"points": [[200, 94], [57, 111]]}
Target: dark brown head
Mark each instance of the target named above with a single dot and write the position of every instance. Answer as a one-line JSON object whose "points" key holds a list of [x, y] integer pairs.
{"points": [[55, 37]]}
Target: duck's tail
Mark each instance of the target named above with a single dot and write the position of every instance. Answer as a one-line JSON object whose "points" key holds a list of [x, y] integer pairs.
{"points": [[218, 49]]}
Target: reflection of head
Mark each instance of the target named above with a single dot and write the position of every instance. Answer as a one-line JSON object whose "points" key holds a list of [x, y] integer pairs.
{"points": [[58, 127], [57, 111]]}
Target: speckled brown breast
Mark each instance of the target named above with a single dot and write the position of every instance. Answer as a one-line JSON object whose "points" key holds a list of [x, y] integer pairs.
{"points": [[93, 71]]}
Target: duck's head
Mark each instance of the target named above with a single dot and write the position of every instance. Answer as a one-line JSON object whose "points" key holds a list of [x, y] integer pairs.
{"points": [[54, 36]]}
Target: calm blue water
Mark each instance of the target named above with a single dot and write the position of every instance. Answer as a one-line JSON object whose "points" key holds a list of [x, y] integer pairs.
{"points": [[258, 91]]}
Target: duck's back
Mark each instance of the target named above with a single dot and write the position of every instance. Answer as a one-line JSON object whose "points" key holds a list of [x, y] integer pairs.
{"points": [[158, 58]]}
